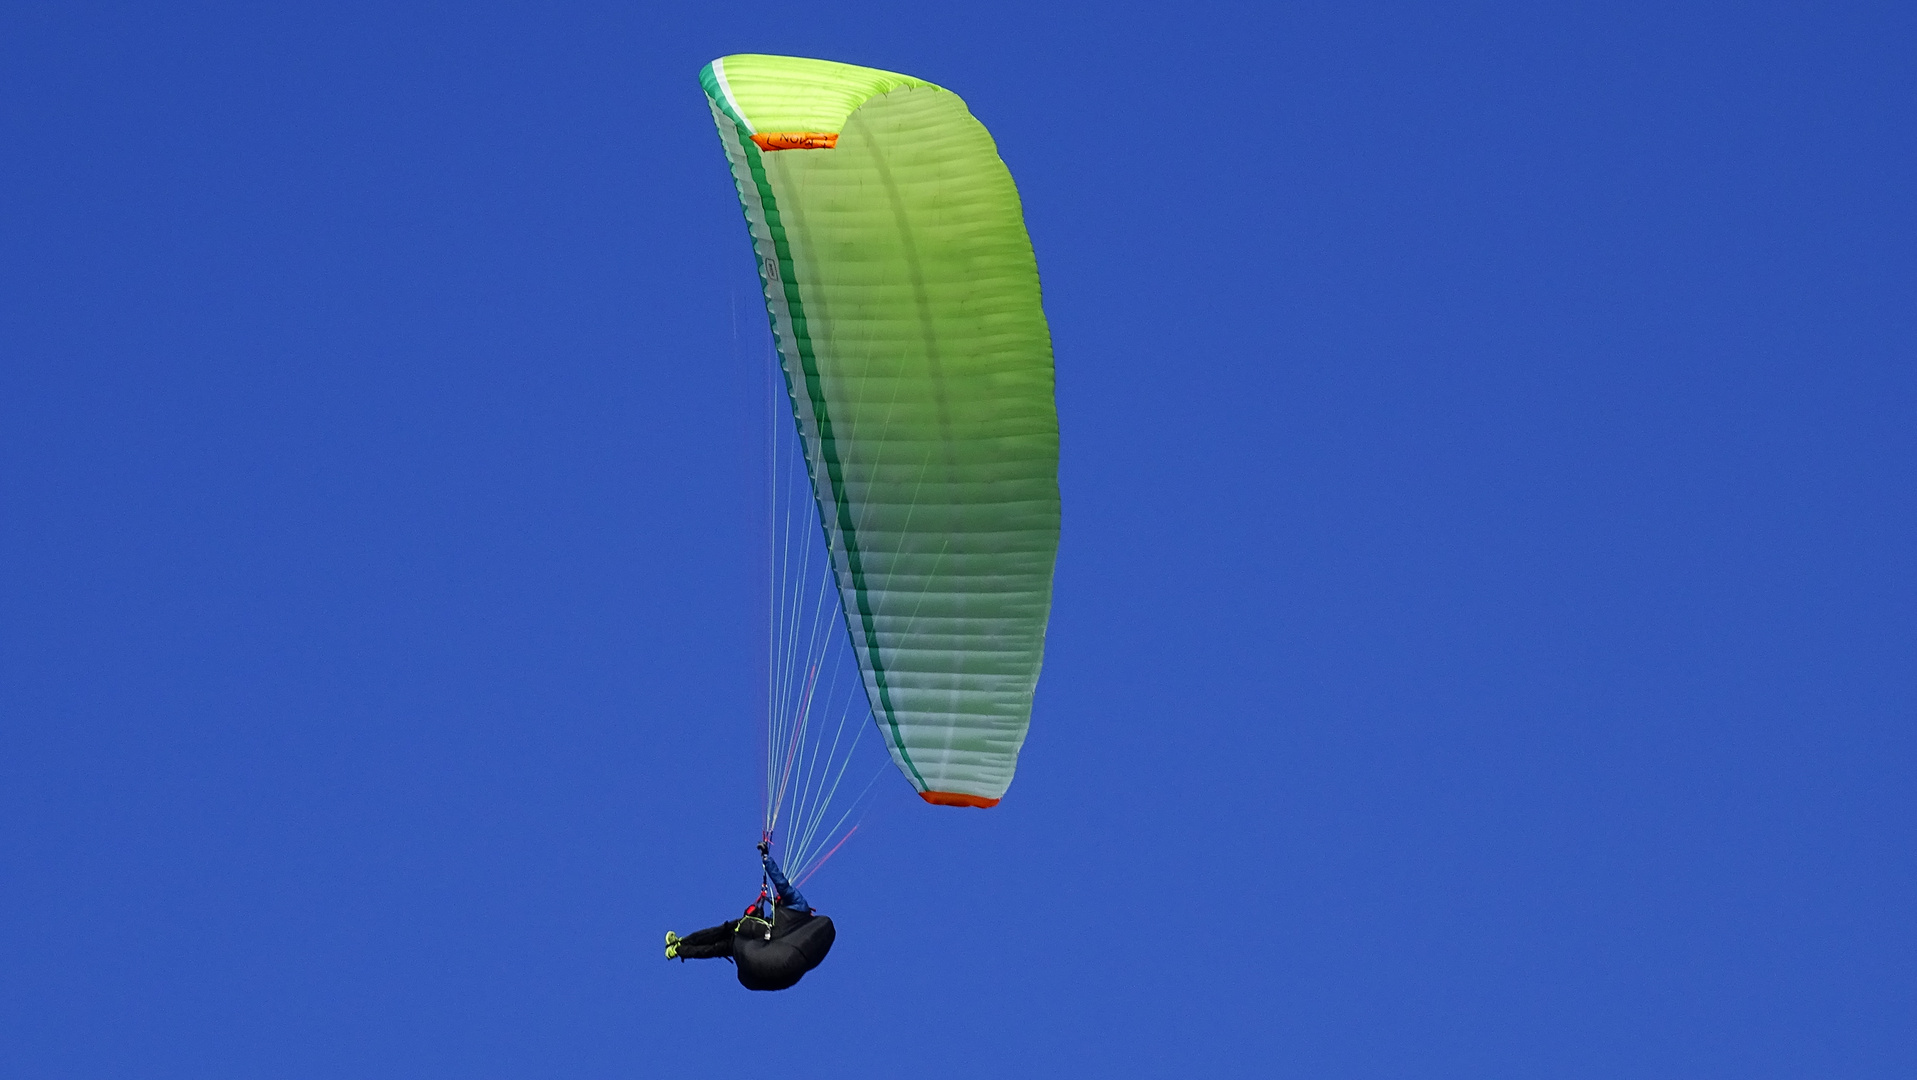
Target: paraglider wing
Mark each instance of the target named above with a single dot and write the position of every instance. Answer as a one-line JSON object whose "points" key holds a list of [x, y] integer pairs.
{"points": [[904, 299]]}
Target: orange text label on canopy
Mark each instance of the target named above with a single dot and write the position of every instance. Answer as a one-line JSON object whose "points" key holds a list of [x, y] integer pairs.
{"points": [[796, 140], [953, 798]]}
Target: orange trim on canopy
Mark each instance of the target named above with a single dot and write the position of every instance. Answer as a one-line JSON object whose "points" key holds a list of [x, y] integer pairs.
{"points": [[796, 140], [953, 798]]}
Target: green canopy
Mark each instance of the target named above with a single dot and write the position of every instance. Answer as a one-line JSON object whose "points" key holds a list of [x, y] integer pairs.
{"points": [[904, 300]]}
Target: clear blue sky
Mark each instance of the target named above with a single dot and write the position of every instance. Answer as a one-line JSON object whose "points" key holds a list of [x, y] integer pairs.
{"points": [[1485, 618]]}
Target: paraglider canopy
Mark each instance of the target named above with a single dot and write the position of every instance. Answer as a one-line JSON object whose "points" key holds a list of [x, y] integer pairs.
{"points": [[905, 307]]}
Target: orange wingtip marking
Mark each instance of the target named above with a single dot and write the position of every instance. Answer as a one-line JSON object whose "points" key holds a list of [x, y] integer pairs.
{"points": [[953, 798], [796, 140]]}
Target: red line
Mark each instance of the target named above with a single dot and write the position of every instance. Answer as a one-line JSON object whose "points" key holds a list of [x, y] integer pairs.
{"points": [[829, 854]]}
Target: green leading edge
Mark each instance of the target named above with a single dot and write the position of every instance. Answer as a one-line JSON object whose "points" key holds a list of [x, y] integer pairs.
{"points": [[904, 300]]}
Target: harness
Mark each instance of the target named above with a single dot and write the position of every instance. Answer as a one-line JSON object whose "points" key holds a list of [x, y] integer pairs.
{"points": [[758, 908]]}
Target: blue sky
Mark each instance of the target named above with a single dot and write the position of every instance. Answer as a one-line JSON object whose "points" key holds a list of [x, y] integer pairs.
{"points": [[1485, 615]]}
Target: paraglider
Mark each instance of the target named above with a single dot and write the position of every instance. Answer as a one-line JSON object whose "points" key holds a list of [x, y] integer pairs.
{"points": [[916, 362], [776, 941]]}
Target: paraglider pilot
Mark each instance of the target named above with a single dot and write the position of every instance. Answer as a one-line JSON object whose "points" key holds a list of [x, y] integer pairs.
{"points": [[776, 941]]}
